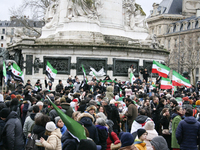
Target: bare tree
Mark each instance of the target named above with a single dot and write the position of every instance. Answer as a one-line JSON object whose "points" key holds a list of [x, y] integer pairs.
{"points": [[37, 9]]}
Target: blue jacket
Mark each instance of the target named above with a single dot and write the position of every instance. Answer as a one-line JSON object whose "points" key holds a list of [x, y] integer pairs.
{"points": [[187, 132]]}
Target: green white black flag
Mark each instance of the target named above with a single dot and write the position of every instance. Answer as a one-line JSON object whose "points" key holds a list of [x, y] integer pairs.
{"points": [[4, 71], [50, 72], [17, 74]]}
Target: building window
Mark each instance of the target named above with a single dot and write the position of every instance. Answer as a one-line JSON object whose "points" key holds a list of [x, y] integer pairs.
{"points": [[176, 44], [11, 39], [1, 44], [169, 43], [3, 31], [12, 31], [197, 71], [182, 42], [2, 37], [153, 31], [159, 29], [197, 79]]}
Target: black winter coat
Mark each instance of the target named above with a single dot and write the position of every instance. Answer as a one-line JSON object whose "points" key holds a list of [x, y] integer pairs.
{"points": [[91, 128], [40, 131], [103, 135], [187, 132], [12, 133], [115, 116], [68, 142]]}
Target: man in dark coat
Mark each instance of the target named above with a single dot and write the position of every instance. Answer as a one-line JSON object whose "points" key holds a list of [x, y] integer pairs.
{"points": [[59, 87], [131, 113], [187, 132], [12, 132], [87, 120]]}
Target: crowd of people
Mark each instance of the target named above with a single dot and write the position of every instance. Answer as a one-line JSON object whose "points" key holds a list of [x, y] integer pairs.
{"points": [[115, 115]]}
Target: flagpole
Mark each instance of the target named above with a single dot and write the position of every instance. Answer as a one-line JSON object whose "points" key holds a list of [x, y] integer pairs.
{"points": [[2, 84]]}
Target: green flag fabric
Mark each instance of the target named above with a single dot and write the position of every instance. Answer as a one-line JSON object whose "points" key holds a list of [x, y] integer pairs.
{"points": [[84, 75], [50, 72], [4, 72], [74, 127], [17, 74]]}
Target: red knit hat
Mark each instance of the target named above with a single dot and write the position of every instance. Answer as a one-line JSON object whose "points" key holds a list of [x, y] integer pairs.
{"points": [[185, 98], [13, 96], [75, 100]]}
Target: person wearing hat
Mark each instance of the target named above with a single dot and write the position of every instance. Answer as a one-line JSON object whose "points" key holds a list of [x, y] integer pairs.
{"points": [[54, 140], [127, 141], [12, 133], [112, 137], [60, 124], [139, 143], [159, 143]]}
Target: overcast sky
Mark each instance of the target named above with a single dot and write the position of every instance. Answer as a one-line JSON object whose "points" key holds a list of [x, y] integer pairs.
{"points": [[8, 4]]}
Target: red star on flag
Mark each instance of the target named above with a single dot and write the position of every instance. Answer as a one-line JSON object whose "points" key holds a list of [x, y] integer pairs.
{"points": [[14, 71], [18, 74]]}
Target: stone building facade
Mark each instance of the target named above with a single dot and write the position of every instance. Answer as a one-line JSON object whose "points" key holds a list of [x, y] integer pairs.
{"points": [[176, 23], [15, 29]]}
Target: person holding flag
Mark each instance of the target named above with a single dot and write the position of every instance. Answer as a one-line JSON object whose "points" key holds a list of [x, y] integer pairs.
{"points": [[132, 78]]}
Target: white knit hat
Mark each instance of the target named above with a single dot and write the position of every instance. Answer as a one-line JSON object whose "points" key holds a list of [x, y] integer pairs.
{"points": [[39, 104], [149, 125], [50, 126]]}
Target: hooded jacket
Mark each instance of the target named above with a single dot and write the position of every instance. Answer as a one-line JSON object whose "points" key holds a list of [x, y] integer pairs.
{"points": [[109, 93], [69, 142], [53, 141], [149, 127], [140, 145], [159, 143], [87, 120], [12, 133], [187, 132], [28, 124]]}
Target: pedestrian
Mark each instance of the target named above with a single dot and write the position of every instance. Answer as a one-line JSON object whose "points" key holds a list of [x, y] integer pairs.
{"points": [[139, 143], [54, 139], [188, 131], [12, 133], [176, 118], [159, 143]]}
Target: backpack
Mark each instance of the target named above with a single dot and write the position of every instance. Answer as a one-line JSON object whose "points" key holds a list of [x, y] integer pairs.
{"points": [[31, 142]]}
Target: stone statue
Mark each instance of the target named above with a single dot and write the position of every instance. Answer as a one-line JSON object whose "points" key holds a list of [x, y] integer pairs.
{"points": [[51, 16], [139, 19], [134, 17], [154, 43], [129, 9], [84, 8]]}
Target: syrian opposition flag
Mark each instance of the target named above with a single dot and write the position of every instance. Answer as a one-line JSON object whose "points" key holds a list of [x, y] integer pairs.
{"points": [[75, 128], [165, 83], [132, 78], [160, 69], [17, 74], [4, 72], [179, 80], [84, 75], [50, 72]]}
